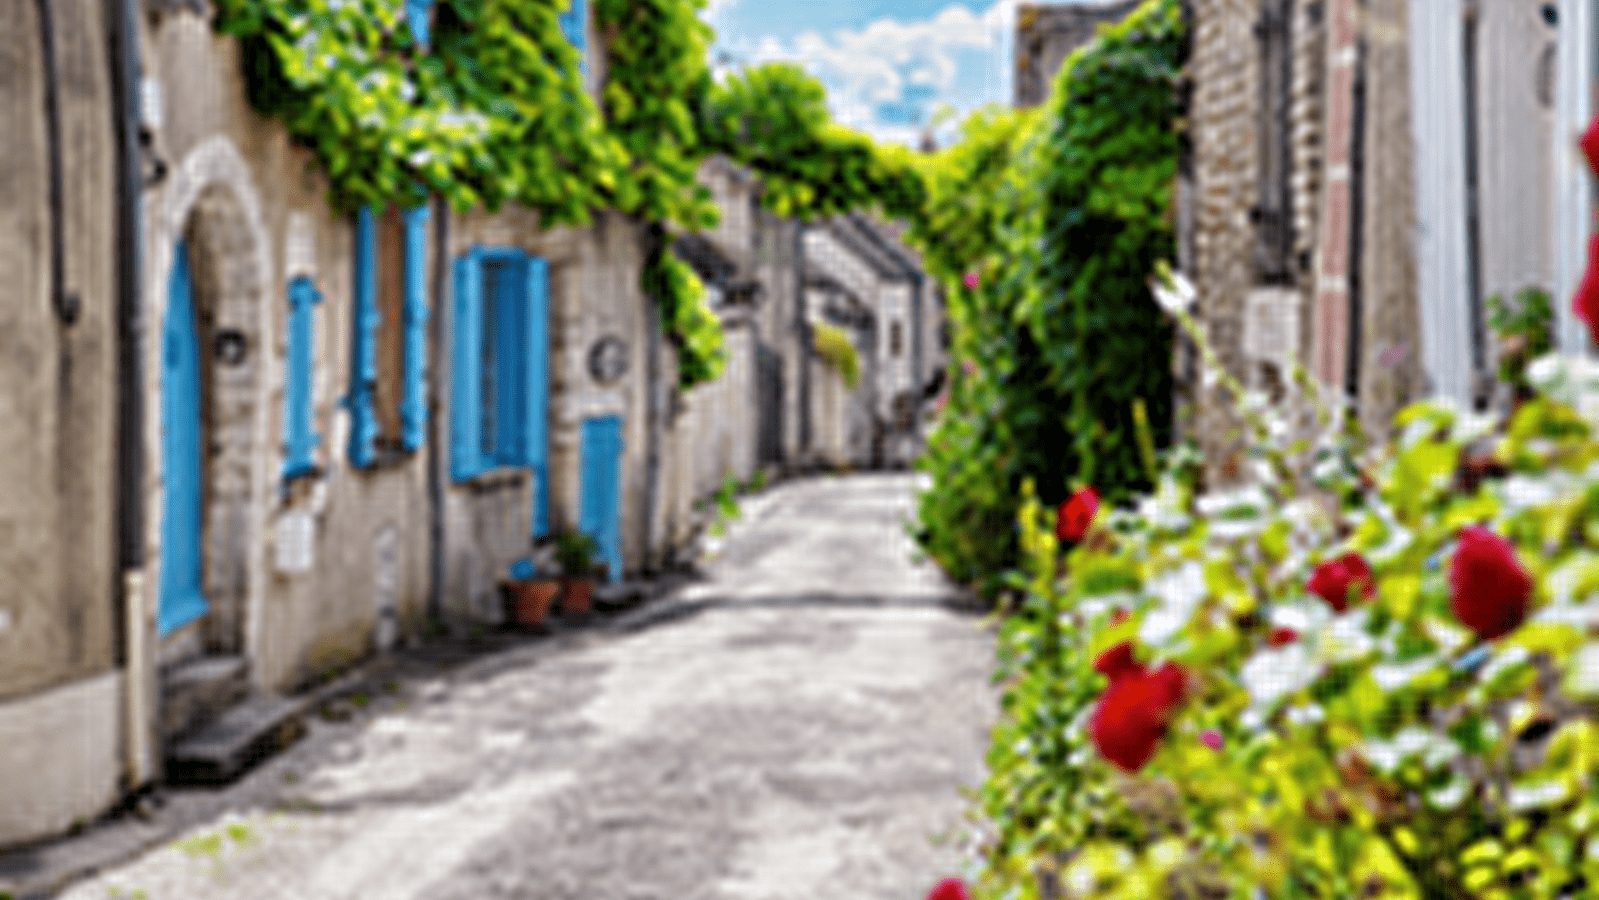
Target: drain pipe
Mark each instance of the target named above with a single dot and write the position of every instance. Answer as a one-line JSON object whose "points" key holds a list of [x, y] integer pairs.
{"points": [[441, 265], [653, 403], [802, 333], [137, 656]]}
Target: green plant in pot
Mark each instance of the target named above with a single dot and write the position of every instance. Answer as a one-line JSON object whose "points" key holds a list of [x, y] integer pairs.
{"points": [[579, 557]]}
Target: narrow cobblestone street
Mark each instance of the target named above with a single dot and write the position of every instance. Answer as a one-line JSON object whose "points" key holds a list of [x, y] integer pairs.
{"points": [[797, 724]]}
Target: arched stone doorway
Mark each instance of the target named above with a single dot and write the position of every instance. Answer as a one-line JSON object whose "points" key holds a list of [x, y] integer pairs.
{"points": [[211, 337]]}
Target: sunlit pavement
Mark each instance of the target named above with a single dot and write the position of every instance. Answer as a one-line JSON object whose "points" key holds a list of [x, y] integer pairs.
{"points": [[798, 724]]}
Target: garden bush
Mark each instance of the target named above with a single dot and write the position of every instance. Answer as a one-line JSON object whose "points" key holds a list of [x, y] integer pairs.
{"points": [[1370, 673], [1043, 226]]}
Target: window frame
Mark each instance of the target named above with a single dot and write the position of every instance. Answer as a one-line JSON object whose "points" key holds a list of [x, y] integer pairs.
{"points": [[370, 446]]}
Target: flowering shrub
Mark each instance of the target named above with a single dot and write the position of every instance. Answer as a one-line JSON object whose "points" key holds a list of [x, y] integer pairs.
{"points": [[1194, 706]]}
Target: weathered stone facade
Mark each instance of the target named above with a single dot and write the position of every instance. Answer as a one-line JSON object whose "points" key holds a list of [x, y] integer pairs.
{"points": [[305, 569], [1301, 116], [61, 747], [1047, 33]]}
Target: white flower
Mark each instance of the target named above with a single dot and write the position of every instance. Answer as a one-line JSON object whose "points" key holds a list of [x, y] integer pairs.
{"points": [[1531, 796], [1277, 672], [1392, 676], [1582, 679], [1180, 591], [1346, 638], [1520, 492], [1174, 298]]}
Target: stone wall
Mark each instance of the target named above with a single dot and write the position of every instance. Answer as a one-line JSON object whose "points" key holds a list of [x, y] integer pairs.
{"points": [[1047, 33], [61, 723]]}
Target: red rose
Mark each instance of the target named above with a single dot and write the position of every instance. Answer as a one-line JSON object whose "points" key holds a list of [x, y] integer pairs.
{"points": [[1281, 636], [1585, 303], [1118, 662], [1488, 588], [1133, 715], [1333, 580], [1590, 144], [970, 281], [1075, 515], [950, 889]]}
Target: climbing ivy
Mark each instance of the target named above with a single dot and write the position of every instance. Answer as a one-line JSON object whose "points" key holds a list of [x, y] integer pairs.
{"points": [[494, 111], [1043, 226], [773, 118]]}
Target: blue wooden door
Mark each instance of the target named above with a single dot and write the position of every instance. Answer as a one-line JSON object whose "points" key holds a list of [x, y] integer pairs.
{"points": [[599, 511], [181, 598]]}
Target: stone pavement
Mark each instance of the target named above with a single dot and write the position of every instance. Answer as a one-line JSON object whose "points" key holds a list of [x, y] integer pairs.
{"points": [[797, 724]]}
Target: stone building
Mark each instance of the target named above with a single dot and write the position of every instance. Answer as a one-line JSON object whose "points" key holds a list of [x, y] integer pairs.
{"points": [[1363, 176], [860, 277], [1046, 33], [68, 533], [254, 441]]}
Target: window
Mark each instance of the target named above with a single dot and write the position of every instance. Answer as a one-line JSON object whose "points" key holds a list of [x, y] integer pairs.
{"points": [[574, 24], [387, 399], [896, 337], [300, 439], [500, 365]]}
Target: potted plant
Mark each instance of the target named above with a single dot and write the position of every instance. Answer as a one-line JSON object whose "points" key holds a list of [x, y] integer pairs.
{"points": [[578, 555], [529, 594]]}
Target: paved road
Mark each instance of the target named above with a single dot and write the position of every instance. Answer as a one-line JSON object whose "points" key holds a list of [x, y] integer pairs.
{"points": [[797, 725]]}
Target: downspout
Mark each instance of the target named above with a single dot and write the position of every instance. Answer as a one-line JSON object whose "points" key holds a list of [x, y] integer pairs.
{"points": [[130, 396], [66, 303], [802, 332], [441, 260], [652, 410], [1357, 204]]}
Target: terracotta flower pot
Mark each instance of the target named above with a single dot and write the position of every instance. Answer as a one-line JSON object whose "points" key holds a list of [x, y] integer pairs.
{"points": [[577, 595], [531, 600]]}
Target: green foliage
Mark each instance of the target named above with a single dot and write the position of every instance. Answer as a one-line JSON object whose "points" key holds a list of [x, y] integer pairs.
{"points": [[1383, 753], [1525, 329], [657, 79], [693, 328], [1060, 213], [495, 111], [576, 552], [774, 119], [833, 345]]}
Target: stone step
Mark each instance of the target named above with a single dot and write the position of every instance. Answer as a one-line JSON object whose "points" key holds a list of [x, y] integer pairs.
{"points": [[237, 740], [200, 689]]}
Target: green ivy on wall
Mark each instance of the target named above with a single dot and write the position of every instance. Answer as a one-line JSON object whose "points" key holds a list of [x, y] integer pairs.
{"points": [[493, 112], [1043, 226]]}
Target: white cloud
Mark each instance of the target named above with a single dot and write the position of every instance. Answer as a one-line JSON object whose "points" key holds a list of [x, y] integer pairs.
{"points": [[867, 68]]}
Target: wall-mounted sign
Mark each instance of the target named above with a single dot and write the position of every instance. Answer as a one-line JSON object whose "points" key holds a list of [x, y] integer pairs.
{"points": [[608, 358]]}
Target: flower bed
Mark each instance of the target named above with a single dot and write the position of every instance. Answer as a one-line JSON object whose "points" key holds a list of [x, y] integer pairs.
{"points": [[1369, 673]]}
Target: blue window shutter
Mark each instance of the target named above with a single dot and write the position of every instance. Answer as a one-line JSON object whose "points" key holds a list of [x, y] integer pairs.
{"points": [[364, 356], [509, 352], [300, 437], [413, 403], [537, 375], [574, 23], [466, 369], [416, 15]]}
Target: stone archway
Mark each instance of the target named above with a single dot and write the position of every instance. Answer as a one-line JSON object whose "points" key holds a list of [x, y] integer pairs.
{"points": [[210, 205]]}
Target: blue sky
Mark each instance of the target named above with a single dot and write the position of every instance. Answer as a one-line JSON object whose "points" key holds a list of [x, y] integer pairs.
{"points": [[887, 64]]}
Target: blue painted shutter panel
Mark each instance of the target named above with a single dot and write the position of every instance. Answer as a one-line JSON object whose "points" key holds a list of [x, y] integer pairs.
{"points": [[181, 599], [574, 23], [300, 437], [508, 350], [416, 15], [537, 375], [466, 369], [364, 356], [599, 510], [413, 403]]}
